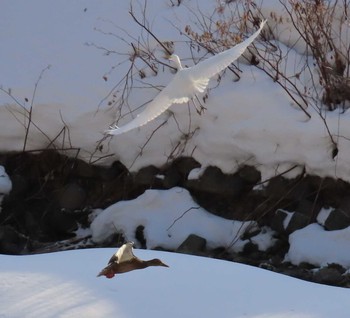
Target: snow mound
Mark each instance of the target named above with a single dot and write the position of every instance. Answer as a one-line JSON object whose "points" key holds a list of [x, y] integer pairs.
{"points": [[168, 218], [314, 245]]}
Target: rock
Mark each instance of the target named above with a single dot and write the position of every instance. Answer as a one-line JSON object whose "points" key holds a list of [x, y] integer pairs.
{"points": [[337, 220], [277, 221], [267, 266], [83, 169], [297, 273], [20, 186], [116, 170], [250, 174], [11, 242], [280, 188], [193, 245], [297, 222], [146, 176], [288, 222], [251, 249], [278, 250], [140, 236], [177, 173], [309, 208], [295, 191], [33, 225], [172, 178], [72, 197], [184, 165], [254, 202], [329, 276], [230, 196], [306, 265], [59, 224], [334, 191], [345, 204], [214, 181]]}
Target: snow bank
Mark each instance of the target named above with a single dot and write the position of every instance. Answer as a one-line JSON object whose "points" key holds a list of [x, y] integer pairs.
{"points": [[314, 245], [169, 217]]}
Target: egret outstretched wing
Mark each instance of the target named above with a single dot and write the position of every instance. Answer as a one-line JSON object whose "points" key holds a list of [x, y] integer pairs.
{"points": [[185, 84], [178, 91], [215, 64]]}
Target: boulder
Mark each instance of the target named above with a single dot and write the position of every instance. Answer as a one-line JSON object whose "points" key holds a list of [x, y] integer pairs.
{"points": [[277, 221], [72, 197], [309, 208], [59, 224], [249, 174], [194, 244], [297, 222], [20, 186], [172, 178], [115, 171], [146, 176], [81, 168], [11, 242], [288, 222], [177, 173], [329, 275], [337, 220], [214, 181]]}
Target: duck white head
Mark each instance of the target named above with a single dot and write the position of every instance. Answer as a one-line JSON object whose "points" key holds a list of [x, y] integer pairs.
{"points": [[125, 253]]}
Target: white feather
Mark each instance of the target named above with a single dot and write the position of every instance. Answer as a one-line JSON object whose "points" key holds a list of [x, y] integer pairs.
{"points": [[186, 83], [124, 253]]}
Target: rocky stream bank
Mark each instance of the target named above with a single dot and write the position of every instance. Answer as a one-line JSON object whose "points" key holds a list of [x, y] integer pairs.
{"points": [[54, 195]]}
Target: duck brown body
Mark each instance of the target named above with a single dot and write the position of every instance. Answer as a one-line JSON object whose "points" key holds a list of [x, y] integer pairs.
{"points": [[125, 261]]}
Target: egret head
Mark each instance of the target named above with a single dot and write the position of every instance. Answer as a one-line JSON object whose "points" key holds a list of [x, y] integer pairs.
{"points": [[175, 59]]}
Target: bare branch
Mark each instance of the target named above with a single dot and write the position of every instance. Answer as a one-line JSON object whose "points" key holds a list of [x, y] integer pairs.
{"points": [[182, 215], [142, 25]]}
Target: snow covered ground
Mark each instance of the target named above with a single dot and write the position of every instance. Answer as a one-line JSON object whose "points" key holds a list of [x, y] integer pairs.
{"points": [[64, 284]]}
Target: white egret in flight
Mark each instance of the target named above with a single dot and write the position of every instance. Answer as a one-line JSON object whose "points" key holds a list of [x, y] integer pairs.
{"points": [[186, 83]]}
